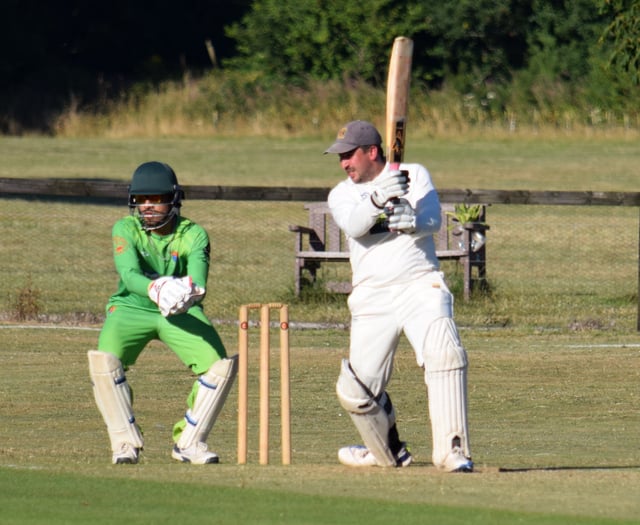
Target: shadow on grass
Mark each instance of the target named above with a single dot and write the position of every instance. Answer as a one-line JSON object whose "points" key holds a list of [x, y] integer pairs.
{"points": [[553, 469]]}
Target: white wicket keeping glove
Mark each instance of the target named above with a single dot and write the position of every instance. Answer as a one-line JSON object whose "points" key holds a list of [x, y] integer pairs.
{"points": [[196, 294], [169, 293], [403, 217], [389, 186]]}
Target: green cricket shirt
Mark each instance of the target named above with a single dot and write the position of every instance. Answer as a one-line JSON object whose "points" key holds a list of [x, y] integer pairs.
{"points": [[141, 257]]}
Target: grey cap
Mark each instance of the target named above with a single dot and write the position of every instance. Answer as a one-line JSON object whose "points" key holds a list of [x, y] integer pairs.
{"points": [[353, 135]]}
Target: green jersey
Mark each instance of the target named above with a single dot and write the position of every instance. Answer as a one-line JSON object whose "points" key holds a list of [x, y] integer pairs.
{"points": [[140, 257]]}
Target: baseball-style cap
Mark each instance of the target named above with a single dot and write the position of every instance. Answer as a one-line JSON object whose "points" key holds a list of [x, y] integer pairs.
{"points": [[353, 135]]}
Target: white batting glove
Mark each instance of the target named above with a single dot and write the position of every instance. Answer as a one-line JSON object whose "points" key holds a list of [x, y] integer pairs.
{"points": [[169, 293], [389, 185], [403, 217]]}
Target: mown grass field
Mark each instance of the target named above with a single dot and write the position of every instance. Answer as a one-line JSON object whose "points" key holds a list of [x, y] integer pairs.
{"points": [[553, 380], [553, 422]]}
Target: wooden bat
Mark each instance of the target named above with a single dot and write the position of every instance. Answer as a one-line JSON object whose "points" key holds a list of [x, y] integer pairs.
{"points": [[398, 83]]}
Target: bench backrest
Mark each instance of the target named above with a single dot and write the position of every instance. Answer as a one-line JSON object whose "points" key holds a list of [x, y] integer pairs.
{"points": [[330, 238]]}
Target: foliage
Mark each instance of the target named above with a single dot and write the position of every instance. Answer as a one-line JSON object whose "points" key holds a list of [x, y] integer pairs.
{"points": [[327, 39], [492, 61], [27, 303], [624, 31], [465, 213]]}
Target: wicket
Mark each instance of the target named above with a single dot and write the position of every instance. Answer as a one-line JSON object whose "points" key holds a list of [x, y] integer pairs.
{"points": [[243, 391]]}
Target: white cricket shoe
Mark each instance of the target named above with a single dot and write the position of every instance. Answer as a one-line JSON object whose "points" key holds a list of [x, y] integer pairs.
{"points": [[361, 456], [198, 454], [456, 461], [126, 454]]}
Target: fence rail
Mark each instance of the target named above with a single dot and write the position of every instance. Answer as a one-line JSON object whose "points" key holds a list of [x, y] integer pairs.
{"points": [[115, 190]]}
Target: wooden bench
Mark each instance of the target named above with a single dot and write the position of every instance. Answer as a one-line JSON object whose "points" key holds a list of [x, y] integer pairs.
{"points": [[323, 242]]}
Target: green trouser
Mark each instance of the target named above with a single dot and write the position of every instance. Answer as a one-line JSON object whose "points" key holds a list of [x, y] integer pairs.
{"points": [[127, 331]]}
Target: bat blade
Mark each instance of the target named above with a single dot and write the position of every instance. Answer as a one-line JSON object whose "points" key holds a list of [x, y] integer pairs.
{"points": [[398, 81]]}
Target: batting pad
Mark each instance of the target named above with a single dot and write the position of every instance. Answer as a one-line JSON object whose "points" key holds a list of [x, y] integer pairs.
{"points": [[368, 414], [445, 362], [447, 391], [113, 397], [213, 388]]}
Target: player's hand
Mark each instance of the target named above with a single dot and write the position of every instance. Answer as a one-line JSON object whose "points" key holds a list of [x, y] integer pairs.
{"points": [[196, 294], [402, 217], [389, 185], [170, 293]]}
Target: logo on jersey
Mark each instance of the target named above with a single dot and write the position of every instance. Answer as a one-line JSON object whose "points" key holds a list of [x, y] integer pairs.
{"points": [[120, 245]]}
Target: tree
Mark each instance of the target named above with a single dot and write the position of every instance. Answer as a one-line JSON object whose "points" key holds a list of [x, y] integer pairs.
{"points": [[323, 39], [624, 33]]}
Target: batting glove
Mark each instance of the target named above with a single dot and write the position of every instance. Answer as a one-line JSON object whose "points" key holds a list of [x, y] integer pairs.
{"points": [[170, 293], [389, 185], [403, 217]]}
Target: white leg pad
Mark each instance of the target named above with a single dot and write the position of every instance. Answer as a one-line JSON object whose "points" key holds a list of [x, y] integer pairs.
{"points": [[368, 414], [213, 389], [446, 377], [448, 413], [113, 397]]}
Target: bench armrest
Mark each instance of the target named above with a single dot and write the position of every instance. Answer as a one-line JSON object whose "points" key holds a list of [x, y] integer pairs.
{"points": [[295, 228]]}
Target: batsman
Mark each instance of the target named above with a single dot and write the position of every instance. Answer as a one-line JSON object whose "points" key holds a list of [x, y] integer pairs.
{"points": [[162, 260], [389, 214]]}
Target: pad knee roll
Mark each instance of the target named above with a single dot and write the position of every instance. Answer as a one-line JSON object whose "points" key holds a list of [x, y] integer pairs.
{"points": [[113, 397], [373, 417], [442, 348]]}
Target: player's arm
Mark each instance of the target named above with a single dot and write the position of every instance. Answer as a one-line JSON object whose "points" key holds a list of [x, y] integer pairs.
{"points": [[199, 257], [354, 217], [126, 260], [175, 295], [427, 203]]}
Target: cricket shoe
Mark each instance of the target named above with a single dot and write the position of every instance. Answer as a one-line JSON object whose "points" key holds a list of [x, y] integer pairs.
{"points": [[456, 461], [126, 454], [197, 454], [361, 456]]}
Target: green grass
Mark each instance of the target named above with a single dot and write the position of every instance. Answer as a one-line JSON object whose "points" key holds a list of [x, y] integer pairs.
{"points": [[554, 355], [553, 423], [561, 162], [550, 267]]}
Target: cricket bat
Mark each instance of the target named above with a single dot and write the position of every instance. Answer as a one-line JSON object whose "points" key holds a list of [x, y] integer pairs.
{"points": [[398, 82]]}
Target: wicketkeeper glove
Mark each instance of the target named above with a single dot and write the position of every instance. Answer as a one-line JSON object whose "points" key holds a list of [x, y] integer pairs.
{"points": [[174, 295], [402, 217], [197, 293], [389, 185]]}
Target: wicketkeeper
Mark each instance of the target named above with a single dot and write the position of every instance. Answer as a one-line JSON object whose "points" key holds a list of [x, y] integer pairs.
{"points": [[163, 263], [389, 217]]}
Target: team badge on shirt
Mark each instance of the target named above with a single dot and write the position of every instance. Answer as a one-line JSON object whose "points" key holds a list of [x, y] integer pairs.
{"points": [[119, 245]]}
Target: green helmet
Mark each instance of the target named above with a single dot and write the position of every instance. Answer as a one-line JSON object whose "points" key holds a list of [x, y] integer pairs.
{"points": [[155, 178]]}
